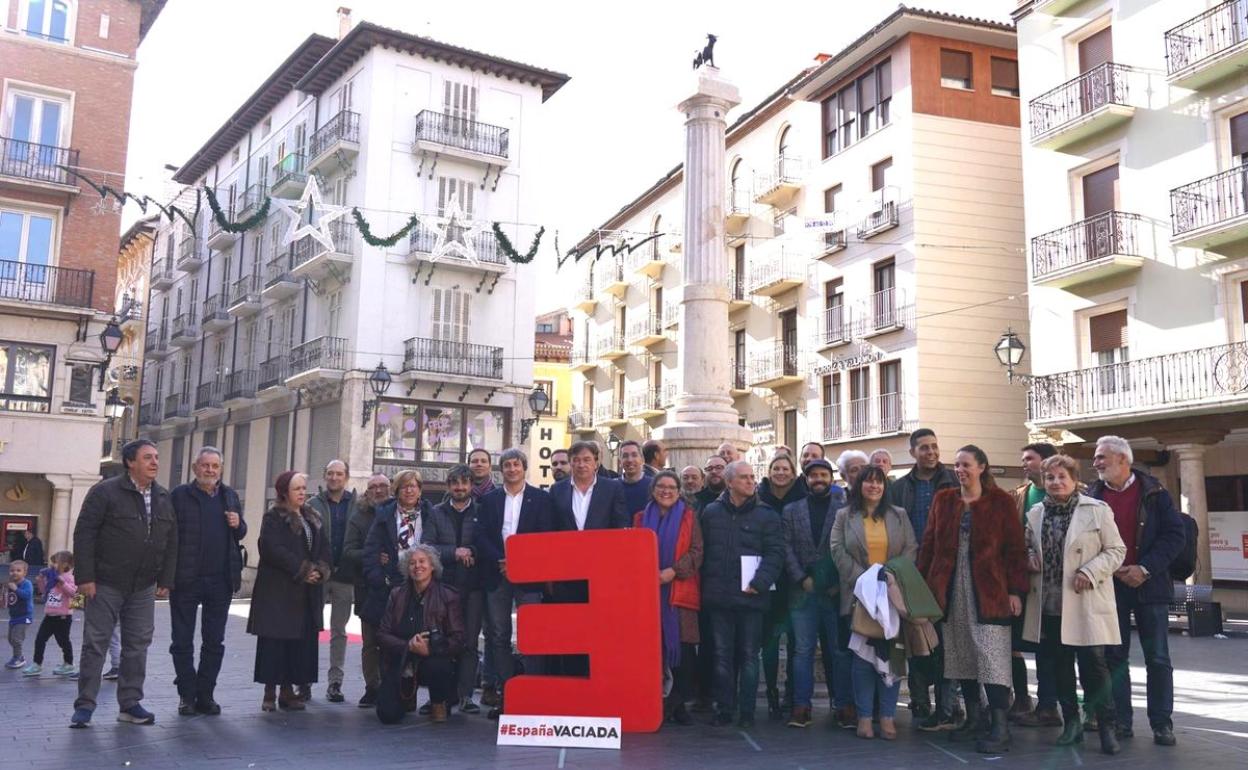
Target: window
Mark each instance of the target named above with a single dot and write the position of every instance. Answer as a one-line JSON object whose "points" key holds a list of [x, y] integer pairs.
{"points": [[451, 312], [1100, 191], [891, 419], [104, 24], [831, 392], [238, 457], [1107, 336], [37, 127], [1004, 77], [832, 238], [883, 297], [955, 69], [266, 128], [333, 318], [210, 438], [789, 429], [881, 174], [178, 450], [439, 433], [738, 354], [459, 101], [81, 379], [27, 377], [863, 102], [1239, 138], [48, 20], [25, 239], [860, 401], [834, 310], [235, 154], [587, 399], [186, 378]]}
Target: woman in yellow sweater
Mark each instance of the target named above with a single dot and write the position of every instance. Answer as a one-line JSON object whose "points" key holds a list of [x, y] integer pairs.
{"points": [[869, 531]]}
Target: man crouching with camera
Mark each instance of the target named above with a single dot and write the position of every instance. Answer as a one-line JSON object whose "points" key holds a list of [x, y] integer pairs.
{"points": [[421, 635]]}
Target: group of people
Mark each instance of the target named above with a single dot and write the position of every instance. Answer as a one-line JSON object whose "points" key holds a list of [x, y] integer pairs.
{"points": [[1054, 568]]}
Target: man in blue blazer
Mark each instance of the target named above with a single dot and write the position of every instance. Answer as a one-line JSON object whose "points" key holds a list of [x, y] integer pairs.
{"points": [[517, 508]]}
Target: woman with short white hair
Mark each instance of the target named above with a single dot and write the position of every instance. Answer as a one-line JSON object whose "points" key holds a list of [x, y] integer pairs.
{"points": [[850, 464]]}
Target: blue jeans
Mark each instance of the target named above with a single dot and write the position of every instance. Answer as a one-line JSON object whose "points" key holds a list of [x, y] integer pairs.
{"points": [[1153, 623], [213, 595], [737, 637], [811, 615], [867, 682], [498, 607]]}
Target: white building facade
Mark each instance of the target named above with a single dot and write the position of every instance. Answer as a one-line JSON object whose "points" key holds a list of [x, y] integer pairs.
{"points": [[853, 333], [263, 348], [1133, 164]]}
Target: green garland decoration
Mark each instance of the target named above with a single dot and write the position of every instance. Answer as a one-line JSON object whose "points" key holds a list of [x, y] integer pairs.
{"points": [[249, 223], [367, 234], [504, 243]]}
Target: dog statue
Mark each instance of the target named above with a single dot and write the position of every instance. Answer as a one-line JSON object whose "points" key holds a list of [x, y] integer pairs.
{"points": [[707, 55]]}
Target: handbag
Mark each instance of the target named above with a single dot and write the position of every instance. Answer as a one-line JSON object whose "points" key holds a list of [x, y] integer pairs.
{"points": [[78, 602], [863, 624]]}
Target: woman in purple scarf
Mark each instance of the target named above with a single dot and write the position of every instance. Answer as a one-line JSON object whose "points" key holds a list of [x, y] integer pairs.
{"points": [[680, 561]]}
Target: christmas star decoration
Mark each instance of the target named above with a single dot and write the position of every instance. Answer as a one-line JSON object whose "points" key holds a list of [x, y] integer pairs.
{"points": [[325, 214], [456, 235]]}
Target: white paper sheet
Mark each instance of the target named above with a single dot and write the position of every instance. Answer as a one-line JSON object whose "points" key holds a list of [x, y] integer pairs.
{"points": [[749, 566]]}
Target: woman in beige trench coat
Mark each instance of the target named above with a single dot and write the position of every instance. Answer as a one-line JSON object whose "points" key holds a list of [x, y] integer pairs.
{"points": [[1073, 548]]}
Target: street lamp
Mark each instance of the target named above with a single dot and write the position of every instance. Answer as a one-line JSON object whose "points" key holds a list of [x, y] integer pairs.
{"points": [[538, 401], [1010, 350], [613, 443], [379, 382], [114, 407], [110, 341]]}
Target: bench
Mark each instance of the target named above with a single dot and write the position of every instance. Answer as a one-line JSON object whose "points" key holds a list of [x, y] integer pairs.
{"points": [[1204, 615]]}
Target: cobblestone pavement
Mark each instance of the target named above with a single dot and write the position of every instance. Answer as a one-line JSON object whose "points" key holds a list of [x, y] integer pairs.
{"points": [[1211, 722]]}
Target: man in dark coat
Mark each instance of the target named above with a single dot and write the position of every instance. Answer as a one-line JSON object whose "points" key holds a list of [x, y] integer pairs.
{"points": [[125, 550], [336, 504], [1153, 532], [32, 551], [738, 533], [714, 485], [515, 509], [376, 495], [209, 571]]}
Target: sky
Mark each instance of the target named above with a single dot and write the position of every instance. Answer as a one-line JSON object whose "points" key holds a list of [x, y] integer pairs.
{"points": [[608, 134]]}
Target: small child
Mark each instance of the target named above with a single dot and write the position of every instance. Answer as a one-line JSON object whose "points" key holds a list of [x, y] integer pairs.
{"points": [[19, 596], [58, 617]]}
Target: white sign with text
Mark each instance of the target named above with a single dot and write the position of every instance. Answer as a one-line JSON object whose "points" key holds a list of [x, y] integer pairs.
{"points": [[560, 732]]}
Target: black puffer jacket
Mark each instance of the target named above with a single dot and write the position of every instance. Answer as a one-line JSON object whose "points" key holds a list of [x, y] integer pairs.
{"points": [[730, 532], [113, 545], [190, 527]]}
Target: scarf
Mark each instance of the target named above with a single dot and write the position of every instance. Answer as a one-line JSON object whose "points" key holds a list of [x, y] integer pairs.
{"points": [[668, 530], [479, 490], [1053, 530]]}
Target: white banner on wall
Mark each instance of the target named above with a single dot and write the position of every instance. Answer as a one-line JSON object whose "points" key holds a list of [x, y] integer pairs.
{"points": [[1228, 545], [560, 732]]}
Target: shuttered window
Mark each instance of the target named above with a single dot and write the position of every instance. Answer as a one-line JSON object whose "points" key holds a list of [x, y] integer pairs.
{"points": [[451, 188], [322, 438], [1100, 191], [1004, 77], [1096, 50], [238, 457], [880, 174], [279, 446], [459, 100], [451, 313], [1243, 301], [175, 467], [1239, 135], [955, 69], [1108, 331]]}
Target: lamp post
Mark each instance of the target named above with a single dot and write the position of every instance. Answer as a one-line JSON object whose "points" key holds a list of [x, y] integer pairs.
{"points": [[110, 340], [1010, 350], [379, 382], [538, 401], [114, 407]]}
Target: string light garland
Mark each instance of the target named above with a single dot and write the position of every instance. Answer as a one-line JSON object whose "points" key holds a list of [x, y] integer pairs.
{"points": [[504, 243], [243, 226], [366, 232]]}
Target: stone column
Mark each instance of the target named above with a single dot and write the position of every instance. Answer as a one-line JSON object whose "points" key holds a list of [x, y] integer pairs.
{"points": [[1193, 502], [704, 415], [60, 535]]}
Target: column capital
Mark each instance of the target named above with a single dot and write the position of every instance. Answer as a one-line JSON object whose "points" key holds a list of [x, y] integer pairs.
{"points": [[710, 88], [1192, 440]]}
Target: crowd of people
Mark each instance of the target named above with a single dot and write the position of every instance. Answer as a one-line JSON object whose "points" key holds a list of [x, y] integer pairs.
{"points": [[937, 576]]}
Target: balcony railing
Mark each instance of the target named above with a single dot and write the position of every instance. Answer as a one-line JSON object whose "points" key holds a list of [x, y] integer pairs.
{"points": [[485, 245], [149, 414], [240, 384], [836, 327], [156, 340], [832, 424], [1209, 201], [465, 359], [580, 420], [648, 400], [278, 271], [176, 406], [188, 251], [466, 134], [777, 363], [249, 200], [884, 215], [46, 285], [343, 127], [1104, 235], [784, 269], [876, 415], [185, 325], [737, 203], [308, 247], [1202, 37], [737, 368], [319, 353], [162, 273], [888, 310], [245, 289], [786, 172], [736, 288], [209, 395], [646, 328], [293, 169], [1166, 383], [610, 412], [1099, 87], [36, 162], [273, 372]]}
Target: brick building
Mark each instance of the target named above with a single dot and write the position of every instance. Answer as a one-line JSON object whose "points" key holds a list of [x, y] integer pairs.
{"points": [[66, 79]]}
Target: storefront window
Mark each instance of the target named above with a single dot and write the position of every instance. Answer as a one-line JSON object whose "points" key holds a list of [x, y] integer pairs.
{"points": [[486, 430], [396, 431], [441, 428], [436, 433]]}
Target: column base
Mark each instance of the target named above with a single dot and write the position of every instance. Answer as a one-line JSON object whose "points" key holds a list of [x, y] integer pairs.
{"points": [[690, 443]]}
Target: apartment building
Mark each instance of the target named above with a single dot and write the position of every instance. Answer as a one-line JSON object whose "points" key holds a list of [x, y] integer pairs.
{"points": [[271, 350], [66, 78], [1136, 131], [548, 430], [874, 231]]}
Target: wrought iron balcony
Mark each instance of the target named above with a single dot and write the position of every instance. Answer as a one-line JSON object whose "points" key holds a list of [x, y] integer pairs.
{"points": [[240, 385], [36, 163], [775, 367], [250, 200], [884, 216], [738, 297], [887, 311], [215, 313], [1165, 385], [279, 282], [1105, 244], [177, 407], [782, 270], [580, 421], [783, 181], [185, 329], [209, 395], [131, 313], [311, 259], [650, 258], [245, 296], [645, 403], [609, 415], [320, 353], [1096, 100], [611, 346], [1209, 46], [878, 415], [422, 242], [156, 342], [149, 414], [646, 331], [189, 256], [27, 282], [162, 274], [835, 328], [1212, 211], [737, 206], [290, 174], [463, 359], [833, 427], [340, 133], [609, 275], [835, 240], [218, 237], [442, 132], [273, 373], [671, 314], [583, 297], [740, 383]]}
